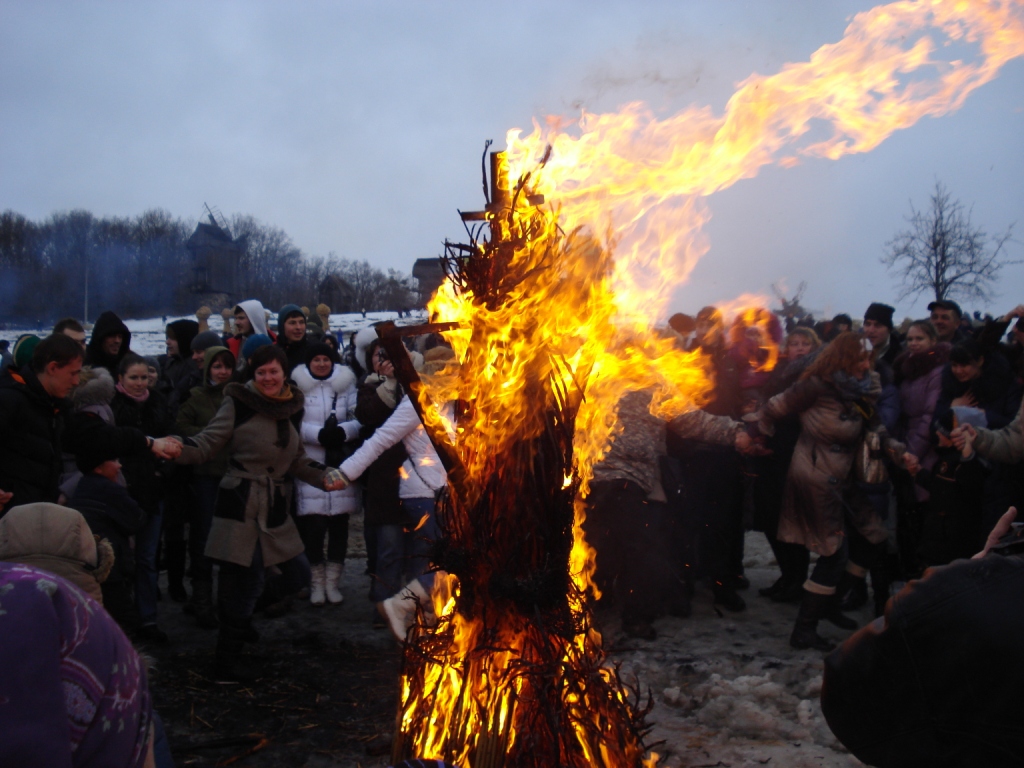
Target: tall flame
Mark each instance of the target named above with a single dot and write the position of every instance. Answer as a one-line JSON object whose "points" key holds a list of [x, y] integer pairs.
{"points": [[567, 329]]}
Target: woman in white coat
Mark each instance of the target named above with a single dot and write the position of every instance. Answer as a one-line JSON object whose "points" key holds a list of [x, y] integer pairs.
{"points": [[330, 396], [403, 551]]}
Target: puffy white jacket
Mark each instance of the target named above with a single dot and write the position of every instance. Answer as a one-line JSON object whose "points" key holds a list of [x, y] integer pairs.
{"points": [[337, 391], [422, 473]]}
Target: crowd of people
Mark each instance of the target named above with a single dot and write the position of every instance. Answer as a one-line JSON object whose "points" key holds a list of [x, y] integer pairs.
{"points": [[875, 451]]}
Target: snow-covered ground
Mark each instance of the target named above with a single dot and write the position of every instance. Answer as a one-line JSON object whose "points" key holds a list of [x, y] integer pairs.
{"points": [[729, 690], [148, 334]]}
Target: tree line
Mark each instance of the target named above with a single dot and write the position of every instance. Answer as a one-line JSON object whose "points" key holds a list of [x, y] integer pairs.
{"points": [[140, 267]]}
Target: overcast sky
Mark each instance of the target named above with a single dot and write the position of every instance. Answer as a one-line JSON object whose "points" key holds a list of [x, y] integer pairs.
{"points": [[357, 127]]}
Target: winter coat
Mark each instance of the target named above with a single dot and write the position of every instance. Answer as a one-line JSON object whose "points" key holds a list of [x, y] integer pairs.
{"points": [[295, 350], [937, 680], [173, 368], [951, 524], [264, 451], [93, 395], [996, 391], [920, 381], [198, 410], [641, 439], [112, 514], [376, 399], [336, 394], [1004, 445], [56, 539], [36, 429], [819, 487], [106, 325], [143, 471], [421, 475]]}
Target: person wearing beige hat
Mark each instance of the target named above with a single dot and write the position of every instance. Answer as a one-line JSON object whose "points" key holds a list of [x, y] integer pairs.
{"points": [[57, 539]]}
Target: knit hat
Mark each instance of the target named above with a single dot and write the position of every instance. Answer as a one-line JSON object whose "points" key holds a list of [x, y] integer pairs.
{"points": [[288, 310], [92, 455], [880, 313], [319, 348], [24, 346], [843, 319], [205, 340], [253, 343]]}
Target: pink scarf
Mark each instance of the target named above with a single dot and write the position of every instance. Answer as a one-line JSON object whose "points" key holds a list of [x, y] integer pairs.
{"points": [[138, 399]]}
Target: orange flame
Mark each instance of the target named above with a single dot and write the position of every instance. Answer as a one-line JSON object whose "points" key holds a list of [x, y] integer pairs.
{"points": [[635, 185]]}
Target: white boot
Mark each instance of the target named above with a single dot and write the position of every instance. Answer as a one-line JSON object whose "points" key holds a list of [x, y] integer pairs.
{"points": [[334, 570], [316, 592], [400, 608]]}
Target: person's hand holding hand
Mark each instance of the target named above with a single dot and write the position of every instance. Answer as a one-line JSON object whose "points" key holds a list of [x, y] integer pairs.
{"points": [[962, 434], [166, 448], [911, 464], [5, 496], [334, 480]]}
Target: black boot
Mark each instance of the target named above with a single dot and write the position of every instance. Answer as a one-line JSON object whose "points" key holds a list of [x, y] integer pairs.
{"points": [[202, 605], [777, 586], [727, 598], [175, 553], [852, 592], [228, 665], [805, 633]]}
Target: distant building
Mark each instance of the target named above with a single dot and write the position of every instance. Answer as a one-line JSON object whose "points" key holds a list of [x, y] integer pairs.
{"points": [[338, 294], [429, 274], [215, 257]]}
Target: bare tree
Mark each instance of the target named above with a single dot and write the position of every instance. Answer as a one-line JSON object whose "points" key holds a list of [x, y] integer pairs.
{"points": [[945, 254]]}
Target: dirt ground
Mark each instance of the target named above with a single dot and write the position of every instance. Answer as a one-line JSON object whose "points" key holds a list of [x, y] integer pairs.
{"points": [[728, 689]]}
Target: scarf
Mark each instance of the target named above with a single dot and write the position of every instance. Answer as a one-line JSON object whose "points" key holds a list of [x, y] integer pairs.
{"points": [[851, 389], [137, 398]]}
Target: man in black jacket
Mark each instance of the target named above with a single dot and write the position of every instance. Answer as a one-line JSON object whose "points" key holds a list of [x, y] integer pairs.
{"points": [[37, 425]]}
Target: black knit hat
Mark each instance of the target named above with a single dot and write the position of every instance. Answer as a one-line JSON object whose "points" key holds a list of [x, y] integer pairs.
{"points": [[880, 313], [93, 455], [318, 348]]}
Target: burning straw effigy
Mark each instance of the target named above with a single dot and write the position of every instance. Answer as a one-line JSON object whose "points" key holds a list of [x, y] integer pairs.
{"points": [[513, 674]]}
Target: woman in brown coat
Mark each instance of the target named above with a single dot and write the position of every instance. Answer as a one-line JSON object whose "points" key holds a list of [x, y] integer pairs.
{"points": [[258, 427], [822, 508]]}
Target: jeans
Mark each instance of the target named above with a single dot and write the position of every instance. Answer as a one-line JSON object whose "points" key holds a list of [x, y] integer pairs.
{"points": [[314, 529], [204, 488], [147, 541], [405, 555]]}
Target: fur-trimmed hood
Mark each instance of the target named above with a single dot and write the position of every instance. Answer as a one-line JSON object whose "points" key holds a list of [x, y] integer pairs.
{"points": [[249, 396], [341, 379], [363, 340], [95, 387]]}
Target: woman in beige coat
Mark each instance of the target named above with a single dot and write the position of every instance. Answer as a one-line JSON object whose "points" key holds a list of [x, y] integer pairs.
{"points": [[822, 505], [257, 425]]}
